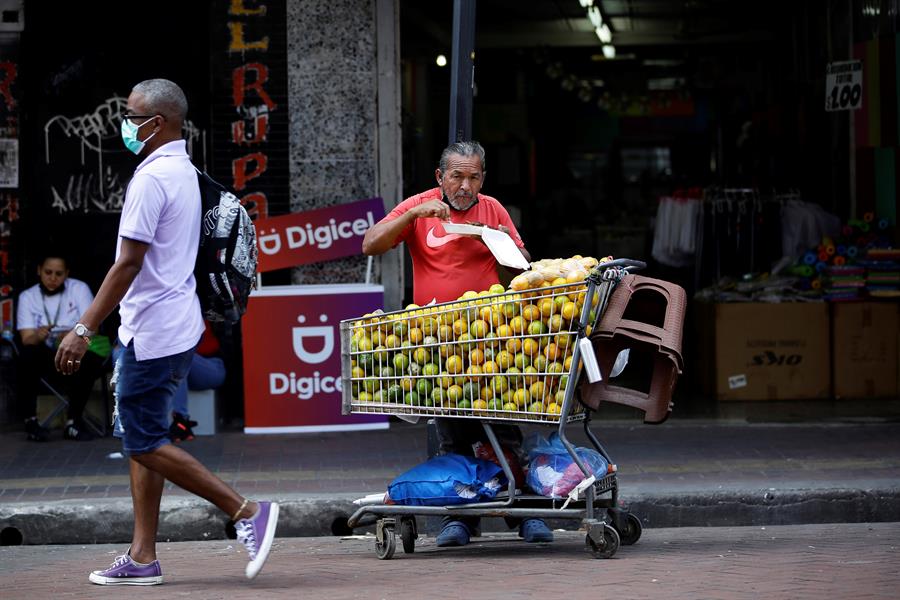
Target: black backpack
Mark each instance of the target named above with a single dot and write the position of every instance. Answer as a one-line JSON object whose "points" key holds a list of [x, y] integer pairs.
{"points": [[226, 260]]}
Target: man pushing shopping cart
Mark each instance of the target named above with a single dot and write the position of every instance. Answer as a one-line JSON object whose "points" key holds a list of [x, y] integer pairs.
{"points": [[445, 266]]}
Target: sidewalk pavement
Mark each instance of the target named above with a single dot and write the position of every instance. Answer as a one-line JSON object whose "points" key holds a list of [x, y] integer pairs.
{"points": [[682, 473], [850, 560]]}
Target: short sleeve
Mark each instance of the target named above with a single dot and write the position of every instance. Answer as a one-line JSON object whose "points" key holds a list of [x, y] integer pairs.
{"points": [[83, 297], [505, 220], [25, 312], [143, 206], [397, 212]]}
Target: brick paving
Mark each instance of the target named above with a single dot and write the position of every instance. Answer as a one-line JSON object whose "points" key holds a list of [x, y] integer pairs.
{"points": [[856, 561]]}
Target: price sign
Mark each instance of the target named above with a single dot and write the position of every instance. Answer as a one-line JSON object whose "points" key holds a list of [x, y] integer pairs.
{"points": [[843, 85]]}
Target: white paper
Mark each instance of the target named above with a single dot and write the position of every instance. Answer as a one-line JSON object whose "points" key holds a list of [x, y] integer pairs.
{"points": [[590, 360], [576, 491], [621, 363], [408, 418], [504, 249], [370, 499], [463, 228]]}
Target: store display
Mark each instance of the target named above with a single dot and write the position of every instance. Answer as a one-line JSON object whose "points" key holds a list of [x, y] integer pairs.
{"points": [[858, 262], [855, 263]]}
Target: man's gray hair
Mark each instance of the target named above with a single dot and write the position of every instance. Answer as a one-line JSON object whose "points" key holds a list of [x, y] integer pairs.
{"points": [[163, 97], [471, 148]]}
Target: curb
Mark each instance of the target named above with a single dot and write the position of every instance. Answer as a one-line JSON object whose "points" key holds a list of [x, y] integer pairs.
{"points": [[193, 519]]}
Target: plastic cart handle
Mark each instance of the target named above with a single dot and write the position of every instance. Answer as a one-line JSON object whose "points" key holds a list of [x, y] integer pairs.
{"points": [[628, 263]]}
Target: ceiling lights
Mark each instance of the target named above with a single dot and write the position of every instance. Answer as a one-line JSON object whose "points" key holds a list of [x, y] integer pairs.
{"points": [[600, 28]]}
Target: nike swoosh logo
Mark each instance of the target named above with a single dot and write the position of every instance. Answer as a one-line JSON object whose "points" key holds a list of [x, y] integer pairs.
{"points": [[433, 241]]}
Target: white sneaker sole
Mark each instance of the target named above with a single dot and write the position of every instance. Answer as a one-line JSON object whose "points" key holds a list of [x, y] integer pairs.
{"points": [[101, 580], [255, 565]]}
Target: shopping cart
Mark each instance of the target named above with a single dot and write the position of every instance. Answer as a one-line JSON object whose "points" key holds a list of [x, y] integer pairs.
{"points": [[510, 357]]}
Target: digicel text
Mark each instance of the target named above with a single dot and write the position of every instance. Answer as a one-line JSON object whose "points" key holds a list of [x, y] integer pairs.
{"points": [[321, 237], [304, 387]]}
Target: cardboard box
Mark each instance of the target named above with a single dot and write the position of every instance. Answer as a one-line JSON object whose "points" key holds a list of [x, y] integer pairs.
{"points": [[763, 351], [865, 352]]}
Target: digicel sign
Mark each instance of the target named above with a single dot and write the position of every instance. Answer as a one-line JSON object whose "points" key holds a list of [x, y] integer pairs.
{"points": [[315, 235], [292, 374]]}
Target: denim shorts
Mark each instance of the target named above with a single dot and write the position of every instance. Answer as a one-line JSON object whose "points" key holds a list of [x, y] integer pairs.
{"points": [[144, 391]]}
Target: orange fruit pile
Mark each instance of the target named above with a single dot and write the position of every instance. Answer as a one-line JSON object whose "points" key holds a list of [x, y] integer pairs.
{"points": [[493, 353]]}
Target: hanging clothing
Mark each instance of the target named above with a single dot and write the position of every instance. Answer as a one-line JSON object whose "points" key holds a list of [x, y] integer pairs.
{"points": [[804, 226], [675, 231]]}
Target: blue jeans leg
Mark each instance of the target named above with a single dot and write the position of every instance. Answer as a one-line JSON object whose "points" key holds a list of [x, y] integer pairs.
{"points": [[144, 392], [207, 373], [180, 399]]}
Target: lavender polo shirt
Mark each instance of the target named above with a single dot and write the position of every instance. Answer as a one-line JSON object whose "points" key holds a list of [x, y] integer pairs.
{"points": [[160, 311]]}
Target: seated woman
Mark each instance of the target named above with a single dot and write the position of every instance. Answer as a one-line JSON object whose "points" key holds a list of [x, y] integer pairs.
{"points": [[45, 313]]}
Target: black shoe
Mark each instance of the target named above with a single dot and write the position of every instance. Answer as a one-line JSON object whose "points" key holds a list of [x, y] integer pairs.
{"points": [[77, 432], [180, 429], [35, 432]]}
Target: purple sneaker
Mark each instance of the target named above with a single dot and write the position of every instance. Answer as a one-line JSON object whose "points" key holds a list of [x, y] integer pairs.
{"points": [[257, 533], [125, 571]]}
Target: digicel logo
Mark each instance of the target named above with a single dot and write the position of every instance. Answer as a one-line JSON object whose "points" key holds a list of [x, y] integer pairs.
{"points": [[321, 237], [305, 387]]}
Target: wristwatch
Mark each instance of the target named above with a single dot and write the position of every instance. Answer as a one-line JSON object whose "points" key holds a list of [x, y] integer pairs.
{"points": [[83, 332]]}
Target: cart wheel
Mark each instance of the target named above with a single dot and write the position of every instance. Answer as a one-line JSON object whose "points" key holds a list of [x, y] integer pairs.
{"points": [[605, 548], [631, 533], [385, 548], [408, 534]]}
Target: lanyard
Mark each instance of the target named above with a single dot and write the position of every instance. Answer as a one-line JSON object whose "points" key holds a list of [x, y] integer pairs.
{"points": [[52, 323]]}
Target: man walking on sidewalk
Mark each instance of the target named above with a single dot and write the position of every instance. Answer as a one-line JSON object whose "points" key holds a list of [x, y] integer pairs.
{"points": [[152, 281]]}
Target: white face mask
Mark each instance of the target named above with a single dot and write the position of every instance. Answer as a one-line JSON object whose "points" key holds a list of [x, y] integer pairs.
{"points": [[129, 135]]}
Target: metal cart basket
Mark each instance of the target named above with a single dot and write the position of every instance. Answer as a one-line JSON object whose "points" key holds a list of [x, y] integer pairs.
{"points": [[508, 357]]}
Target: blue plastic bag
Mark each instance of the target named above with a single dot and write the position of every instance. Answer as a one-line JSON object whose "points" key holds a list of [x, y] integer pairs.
{"points": [[447, 479], [551, 470]]}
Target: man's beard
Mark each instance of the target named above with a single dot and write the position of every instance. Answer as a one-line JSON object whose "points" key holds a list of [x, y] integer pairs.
{"points": [[455, 205]]}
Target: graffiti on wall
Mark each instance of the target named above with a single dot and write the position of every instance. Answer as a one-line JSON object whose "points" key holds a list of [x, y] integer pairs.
{"points": [[9, 163], [252, 105], [257, 91], [9, 140], [9, 213], [96, 180], [9, 178]]}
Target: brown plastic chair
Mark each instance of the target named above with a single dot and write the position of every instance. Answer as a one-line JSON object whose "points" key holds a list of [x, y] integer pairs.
{"points": [[647, 316]]}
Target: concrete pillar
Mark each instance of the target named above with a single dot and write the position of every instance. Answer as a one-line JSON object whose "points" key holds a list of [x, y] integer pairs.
{"points": [[344, 95]]}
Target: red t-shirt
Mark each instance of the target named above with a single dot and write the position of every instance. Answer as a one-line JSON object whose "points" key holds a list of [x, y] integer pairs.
{"points": [[447, 265]]}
